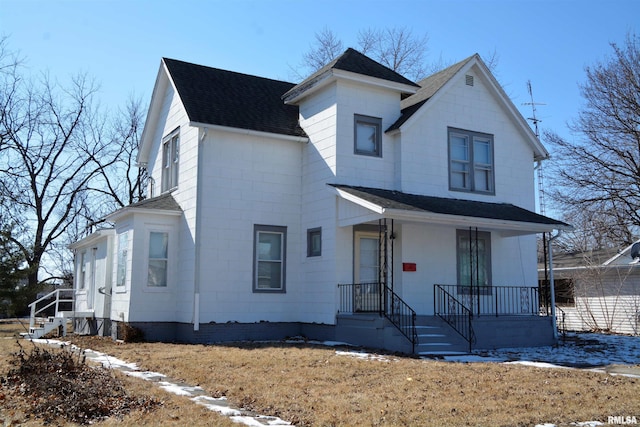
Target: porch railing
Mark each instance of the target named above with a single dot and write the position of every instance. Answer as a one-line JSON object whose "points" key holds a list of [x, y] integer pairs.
{"points": [[497, 300], [452, 311], [61, 297], [379, 298]]}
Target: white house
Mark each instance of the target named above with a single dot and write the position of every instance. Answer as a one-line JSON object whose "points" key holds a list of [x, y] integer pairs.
{"points": [[356, 205], [602, 290]]}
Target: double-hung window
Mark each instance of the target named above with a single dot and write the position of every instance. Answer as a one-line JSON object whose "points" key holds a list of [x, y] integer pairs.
{"points": [[269, 253], [170, 158], [368, 135], [471, 161], [158, 259]]}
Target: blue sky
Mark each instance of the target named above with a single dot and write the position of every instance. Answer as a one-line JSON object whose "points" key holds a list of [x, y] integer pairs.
{"points": [[120, 43]]}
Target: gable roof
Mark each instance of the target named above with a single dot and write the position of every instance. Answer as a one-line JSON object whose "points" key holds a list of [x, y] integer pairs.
{"points": [[432, 86], [354, 62], [226, 98], [388, 200], [428, 87]]}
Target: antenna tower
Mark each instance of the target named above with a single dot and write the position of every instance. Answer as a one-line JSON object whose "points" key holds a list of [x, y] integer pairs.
{"points": [[534, 119]]}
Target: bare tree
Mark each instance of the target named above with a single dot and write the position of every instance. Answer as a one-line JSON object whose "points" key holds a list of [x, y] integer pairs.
{"points": [[122, 182], [58, 148], [326, 47], [397, 48], [599, 171]]}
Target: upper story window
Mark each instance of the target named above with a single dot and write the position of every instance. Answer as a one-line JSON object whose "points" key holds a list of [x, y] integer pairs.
{"points": [[368, 135], [170, 157], [270, 248], [471, 161]]}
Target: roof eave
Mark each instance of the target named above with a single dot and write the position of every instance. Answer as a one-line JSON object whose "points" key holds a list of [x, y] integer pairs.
{"points": [[91, 238], [127, 211], [506, 227], [243, 131], [146, 140], [305, 89], [375, 81]]}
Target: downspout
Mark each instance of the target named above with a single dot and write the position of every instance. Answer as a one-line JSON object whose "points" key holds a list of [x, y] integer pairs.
{"points": [[552, 286], [196, 234]]}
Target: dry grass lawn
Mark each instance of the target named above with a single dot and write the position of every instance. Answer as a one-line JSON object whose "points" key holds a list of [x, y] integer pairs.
{"points": [[312, 385]]}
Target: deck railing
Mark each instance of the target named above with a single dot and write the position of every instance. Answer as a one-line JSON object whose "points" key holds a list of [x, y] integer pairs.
{"points": [[378, 298], [497, 300], [61, 297]]}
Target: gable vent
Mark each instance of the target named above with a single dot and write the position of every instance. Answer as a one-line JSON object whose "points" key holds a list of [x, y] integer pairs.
{"points": [[469, 80]]}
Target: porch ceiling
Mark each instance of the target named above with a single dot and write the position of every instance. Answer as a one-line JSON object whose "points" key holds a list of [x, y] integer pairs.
{"points": [[362, 204]]}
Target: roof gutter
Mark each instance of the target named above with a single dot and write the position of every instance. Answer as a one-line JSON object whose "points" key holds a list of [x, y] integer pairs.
{"points": [[258, 134]]}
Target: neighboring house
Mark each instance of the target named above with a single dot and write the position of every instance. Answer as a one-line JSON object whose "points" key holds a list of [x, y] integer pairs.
{"points": [[353, 206], [598, 290]]}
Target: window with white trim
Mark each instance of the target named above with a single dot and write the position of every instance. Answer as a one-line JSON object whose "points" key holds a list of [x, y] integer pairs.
{"points": [[367, 135], [170, 159], [158, 259], [83, 270], [471, 161], [269, 255], [121, 263]]}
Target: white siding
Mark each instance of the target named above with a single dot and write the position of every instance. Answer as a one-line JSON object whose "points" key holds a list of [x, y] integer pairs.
{"points": [[248, 180], [172, 116], [97, 264], [605, 299], [423, 162], [356, 169]]}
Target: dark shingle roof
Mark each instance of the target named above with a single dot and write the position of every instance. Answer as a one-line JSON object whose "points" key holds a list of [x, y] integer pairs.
{"points": [[164, 202], [355, 62], [390, 199], [428, 87], [226, 98]]}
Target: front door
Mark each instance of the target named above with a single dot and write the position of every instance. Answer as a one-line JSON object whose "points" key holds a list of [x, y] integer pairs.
{"points": [[366, 268]]}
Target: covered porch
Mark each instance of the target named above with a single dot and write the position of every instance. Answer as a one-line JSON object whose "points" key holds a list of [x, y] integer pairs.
{"points": [[421, 262]]}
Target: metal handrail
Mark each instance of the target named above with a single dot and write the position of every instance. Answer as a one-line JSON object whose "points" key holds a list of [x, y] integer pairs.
{"points": [[375, 297], [454, 313], [402, 316]]}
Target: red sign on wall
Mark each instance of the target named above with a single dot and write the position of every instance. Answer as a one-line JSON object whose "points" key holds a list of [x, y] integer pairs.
{"points": [[408, 266]]}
